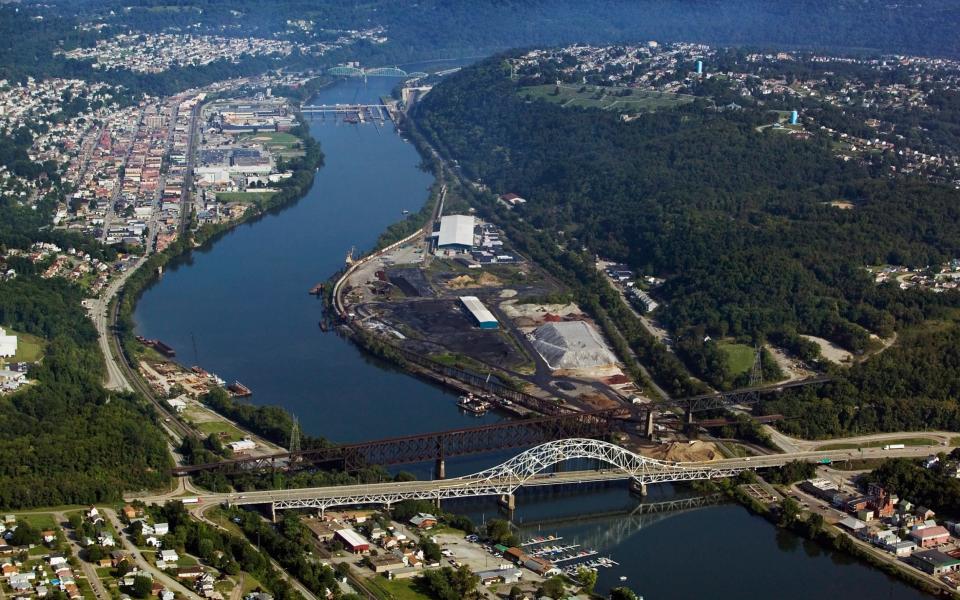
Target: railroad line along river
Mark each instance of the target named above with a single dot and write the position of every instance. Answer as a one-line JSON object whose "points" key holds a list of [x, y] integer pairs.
{"points": [[244, 301]]}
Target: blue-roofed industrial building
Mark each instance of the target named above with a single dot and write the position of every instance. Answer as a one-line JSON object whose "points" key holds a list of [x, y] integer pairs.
{"points": [[479, 312]]}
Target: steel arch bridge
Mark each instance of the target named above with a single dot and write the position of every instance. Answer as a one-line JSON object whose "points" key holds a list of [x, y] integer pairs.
{"points": [[345, 71], [520, 469], [525, 469]]}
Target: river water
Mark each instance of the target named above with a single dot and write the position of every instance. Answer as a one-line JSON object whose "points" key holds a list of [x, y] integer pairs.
{"points": [[240, 309]]}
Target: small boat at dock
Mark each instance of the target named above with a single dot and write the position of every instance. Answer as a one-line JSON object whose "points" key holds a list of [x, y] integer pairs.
{"points": [[473, 404]]}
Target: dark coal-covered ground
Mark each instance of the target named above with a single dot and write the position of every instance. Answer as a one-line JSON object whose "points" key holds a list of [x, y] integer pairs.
{"points": [[444, 324]]}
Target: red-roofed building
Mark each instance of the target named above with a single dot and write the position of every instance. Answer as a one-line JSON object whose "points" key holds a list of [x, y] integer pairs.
{"points": [[928, 537]]}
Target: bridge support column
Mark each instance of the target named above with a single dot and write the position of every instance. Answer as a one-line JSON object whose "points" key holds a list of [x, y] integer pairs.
{"points": [[509, 502], [638, 488], [440, 469], [273, 511], [648, 428], [690, 426]]}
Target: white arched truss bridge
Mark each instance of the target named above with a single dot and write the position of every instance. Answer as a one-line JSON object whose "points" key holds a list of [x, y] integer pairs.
{"points": [[533, 467]]}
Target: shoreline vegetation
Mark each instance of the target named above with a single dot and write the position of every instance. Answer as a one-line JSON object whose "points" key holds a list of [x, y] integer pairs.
{"points": [[291, 190], [812, 527]]}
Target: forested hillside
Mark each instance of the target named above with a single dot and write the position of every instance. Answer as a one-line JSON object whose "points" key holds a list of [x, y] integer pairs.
{"points": [[64, 439], [737, 221]]}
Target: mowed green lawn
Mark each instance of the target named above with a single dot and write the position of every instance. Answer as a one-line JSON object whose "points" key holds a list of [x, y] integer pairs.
{"points": [[272, 138], [217, 427], [605, 98], [29, 347], [396, 589], [739, 356]]}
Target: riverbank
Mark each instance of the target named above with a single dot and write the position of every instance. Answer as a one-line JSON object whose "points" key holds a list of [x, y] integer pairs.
{"points": [[290, 191], [809, 526]]}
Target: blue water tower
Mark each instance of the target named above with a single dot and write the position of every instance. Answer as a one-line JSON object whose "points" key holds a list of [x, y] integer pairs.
{"points": [[699, 67], [794, 117]]}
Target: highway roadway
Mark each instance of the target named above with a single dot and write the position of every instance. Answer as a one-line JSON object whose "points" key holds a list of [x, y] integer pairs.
{"points": [[98, 308], [790, 444]]}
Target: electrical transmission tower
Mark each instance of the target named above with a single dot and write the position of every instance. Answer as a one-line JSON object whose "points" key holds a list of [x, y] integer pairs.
{"points": [[295, 436], [756, 372]]}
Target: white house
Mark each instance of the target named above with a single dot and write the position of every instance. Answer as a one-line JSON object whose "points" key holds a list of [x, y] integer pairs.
{"points": [[242, 445], [169, 556], [8, 344]]}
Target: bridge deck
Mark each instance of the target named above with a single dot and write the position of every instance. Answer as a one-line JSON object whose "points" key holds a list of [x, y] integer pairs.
{"points": [[491, 483]]}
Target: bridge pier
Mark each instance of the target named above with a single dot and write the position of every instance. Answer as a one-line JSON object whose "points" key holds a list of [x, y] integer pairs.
{"points": [[638, 488], [648, 425], [440, 469], [273, 512], [509, 502]]}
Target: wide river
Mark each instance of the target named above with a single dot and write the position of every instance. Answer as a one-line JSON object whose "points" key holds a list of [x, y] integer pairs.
{"points": [[240, 309]]}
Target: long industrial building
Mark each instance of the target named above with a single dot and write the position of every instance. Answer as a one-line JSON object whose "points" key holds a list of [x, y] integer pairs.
{"points": [[456, 232], [480, 313]]}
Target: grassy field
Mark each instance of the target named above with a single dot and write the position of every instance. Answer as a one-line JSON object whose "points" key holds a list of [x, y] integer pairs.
{"points": [[29, 347], [916, 441], [396, 589], [244, 197], [38, 521], [631, 101], [739, 356], [272, 138], [217, 427]]}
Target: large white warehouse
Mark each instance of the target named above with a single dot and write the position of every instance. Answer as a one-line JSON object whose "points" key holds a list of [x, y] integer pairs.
{"points": [[456, 232]]}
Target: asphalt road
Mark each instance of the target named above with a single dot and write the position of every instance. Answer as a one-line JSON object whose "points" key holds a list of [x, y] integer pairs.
{"points": [[99, 591], [158, 575], [789, 444]]}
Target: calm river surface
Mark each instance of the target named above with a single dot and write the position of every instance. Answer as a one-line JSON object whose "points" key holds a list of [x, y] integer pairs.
{"points": [[244, 301]]}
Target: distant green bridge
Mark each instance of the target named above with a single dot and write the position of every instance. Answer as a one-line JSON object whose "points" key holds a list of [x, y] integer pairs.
{"points": [[344, 71]]}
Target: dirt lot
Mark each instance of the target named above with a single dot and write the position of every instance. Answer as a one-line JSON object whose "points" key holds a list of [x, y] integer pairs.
{"points": [[830, 351], [685, 452], [534, 315], [792, 367], [461, 282]]}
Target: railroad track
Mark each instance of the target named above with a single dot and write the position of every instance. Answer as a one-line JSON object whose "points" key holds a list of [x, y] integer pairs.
{"points": [[171, 421]]}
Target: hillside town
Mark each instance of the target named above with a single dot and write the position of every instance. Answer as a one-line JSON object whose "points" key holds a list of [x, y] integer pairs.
{"points": [[869, 101]]}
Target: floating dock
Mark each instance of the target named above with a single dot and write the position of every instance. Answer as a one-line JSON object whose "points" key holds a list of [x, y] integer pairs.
{"points": [[540, 540]]}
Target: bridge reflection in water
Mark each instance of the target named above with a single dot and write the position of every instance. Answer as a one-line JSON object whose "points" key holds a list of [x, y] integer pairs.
{"points": [[609, 529]]}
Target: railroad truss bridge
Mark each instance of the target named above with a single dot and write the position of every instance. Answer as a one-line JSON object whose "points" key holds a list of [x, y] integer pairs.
{"points": [[505, 435]]}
